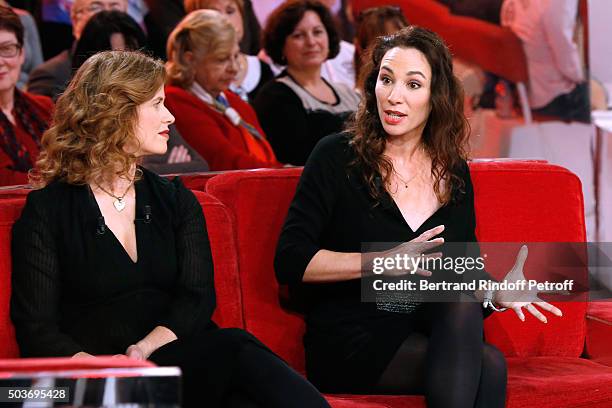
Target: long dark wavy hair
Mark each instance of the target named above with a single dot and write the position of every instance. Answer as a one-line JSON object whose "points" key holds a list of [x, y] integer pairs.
{"points": [[446, 131]]}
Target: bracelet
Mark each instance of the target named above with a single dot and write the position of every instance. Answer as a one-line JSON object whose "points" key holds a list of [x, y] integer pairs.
{"points": [[488, 302]]}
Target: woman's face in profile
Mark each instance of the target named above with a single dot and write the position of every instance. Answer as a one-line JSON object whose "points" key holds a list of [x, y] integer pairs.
{"points": [[308, 45], [11, 59], [152, 126], [403, 92]]}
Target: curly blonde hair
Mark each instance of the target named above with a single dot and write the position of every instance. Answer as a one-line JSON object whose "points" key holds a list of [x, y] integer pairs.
{"points": [[95, 119], [203, 33]]}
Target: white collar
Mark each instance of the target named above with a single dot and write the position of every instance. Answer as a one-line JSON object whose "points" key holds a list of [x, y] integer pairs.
{"points": [[207, 98]]}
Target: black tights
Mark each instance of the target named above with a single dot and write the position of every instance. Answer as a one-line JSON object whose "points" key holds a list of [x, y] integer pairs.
{"points": [[451, 365]]}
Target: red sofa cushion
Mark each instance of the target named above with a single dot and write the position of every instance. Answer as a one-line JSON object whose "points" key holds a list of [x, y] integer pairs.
{"points": [[223, 246], [22, 365], [197, 181], [512, 204], [10, 210], [599, 332]]}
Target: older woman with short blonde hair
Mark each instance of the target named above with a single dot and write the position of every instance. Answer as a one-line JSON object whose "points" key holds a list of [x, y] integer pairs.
{"points": [[253, 73], [203, 59]]}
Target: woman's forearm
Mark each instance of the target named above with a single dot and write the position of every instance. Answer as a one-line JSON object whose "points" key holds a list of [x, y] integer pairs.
{"points": [[331, 266]]}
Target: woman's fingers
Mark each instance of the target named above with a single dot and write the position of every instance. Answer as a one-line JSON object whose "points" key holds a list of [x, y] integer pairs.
{"points": [[521, 258], [549, 308], [423, 272], [519, 312], [534, 311], [172, 155], [429, 234]]}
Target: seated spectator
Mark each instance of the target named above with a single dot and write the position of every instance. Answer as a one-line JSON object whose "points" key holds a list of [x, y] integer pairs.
{"points": [[31, 44], [371, 23], [338, 69], [300, 106], [203, 56], [23, 116], [114, 30], [51, 77], [253, 73], [557, 85]]}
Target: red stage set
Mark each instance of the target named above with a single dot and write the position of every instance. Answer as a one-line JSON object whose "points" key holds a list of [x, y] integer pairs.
{"points": [[565, 363]]}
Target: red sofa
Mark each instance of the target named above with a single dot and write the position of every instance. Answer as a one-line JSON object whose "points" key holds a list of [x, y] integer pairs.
{"points": [[515, 201]]}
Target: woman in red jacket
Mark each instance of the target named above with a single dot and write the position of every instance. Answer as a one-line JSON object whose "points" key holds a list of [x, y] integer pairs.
{"points": [[203, 58], [23, 116]]}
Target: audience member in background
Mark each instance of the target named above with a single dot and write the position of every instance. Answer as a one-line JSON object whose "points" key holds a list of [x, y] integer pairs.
{"points": [[31, 44], [253, 73], [110, 258], [487, 10], [51, 77], [115, 30], [337, 69], [251, 39], [203, 57], [23, 116], [299, 107], [372, 23], [557, 85]]}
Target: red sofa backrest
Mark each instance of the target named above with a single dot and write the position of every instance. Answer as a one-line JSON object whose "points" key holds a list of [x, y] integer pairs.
{"points": [[515, 201], [229, 307]]}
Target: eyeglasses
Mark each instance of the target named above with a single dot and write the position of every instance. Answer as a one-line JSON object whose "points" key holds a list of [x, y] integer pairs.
{"points": [[9, 50]]}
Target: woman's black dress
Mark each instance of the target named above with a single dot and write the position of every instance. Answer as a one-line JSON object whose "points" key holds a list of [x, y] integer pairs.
{"points": [[348, 342]]}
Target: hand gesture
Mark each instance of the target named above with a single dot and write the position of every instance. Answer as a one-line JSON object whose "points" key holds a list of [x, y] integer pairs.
{"points": [[414, 249], [135, 352], [528, 298]]}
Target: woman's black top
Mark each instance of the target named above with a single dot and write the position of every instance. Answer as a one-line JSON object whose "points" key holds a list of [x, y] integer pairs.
{"points": [[333, 210], [294, 120], [75, 288]]}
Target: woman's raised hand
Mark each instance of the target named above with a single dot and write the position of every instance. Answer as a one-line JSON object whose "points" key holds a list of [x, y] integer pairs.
{"points": [[411, 253], [528, 298]]}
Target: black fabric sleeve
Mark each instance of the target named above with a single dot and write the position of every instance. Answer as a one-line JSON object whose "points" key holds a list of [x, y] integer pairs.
{"points": [[310, 212], [290, 129], [36, 284], [194, 294]]}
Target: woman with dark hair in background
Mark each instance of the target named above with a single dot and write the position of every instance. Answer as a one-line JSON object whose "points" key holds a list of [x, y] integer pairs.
{"points": [[23, 116], [110, 258], [399, 175], [115, 30], [299, 107]]}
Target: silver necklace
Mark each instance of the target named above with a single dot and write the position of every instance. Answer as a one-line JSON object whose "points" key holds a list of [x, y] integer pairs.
{"points": [[119, 202], [404, 181]]}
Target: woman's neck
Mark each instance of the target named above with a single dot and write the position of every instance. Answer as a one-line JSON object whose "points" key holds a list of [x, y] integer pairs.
{"points": [[306, 77], [120, 184], [7, 99], [404, 149]]}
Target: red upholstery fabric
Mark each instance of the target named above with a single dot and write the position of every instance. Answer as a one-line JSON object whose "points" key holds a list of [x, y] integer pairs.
{"points": [[515, 201], [13, 193], [10, 209], [552, 212], [223, 246], [599, 332], [197, 181], [494, 48]]}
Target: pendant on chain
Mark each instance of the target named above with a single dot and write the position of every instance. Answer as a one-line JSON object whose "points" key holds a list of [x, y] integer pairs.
{"points": [[119, 204]]}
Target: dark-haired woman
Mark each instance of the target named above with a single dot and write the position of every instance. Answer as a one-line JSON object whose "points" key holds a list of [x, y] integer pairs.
{"points": [[399, 175], [300, 107], [23, 116]]}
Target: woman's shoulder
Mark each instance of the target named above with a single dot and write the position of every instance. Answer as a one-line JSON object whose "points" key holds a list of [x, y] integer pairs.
{"points": [[335, 147], [42, 102], [170, 191]]}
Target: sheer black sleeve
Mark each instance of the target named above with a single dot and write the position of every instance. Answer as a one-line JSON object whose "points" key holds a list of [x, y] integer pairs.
{"points": [[194, 301], [36, 283]]}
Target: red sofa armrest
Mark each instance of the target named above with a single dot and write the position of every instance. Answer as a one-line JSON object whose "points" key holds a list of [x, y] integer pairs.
{"points": [[599, 332]]}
